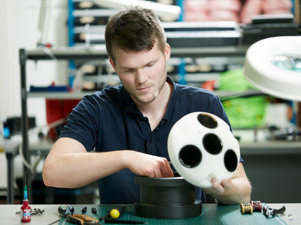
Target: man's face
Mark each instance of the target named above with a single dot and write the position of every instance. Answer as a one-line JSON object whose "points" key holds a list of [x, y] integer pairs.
{"points": [[143, 73]]}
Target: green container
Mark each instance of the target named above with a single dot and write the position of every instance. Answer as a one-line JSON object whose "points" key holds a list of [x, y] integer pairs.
{"points": [[243, 112]]}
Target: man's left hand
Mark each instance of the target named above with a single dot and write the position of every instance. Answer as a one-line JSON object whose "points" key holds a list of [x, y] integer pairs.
{"points": [[217, 188]]}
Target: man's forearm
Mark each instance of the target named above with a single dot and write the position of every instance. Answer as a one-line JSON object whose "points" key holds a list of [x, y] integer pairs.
{"points": [[73, 170]]}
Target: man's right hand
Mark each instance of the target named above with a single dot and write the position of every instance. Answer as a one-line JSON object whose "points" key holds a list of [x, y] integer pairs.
{"points": [[147, 165]]}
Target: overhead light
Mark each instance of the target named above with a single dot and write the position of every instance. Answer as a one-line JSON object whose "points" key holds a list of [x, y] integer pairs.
{"points": [[163, 10], [44, 18], [273, 65]]}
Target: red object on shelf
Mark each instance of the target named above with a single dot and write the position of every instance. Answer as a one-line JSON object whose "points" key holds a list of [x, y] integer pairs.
{"points": [[57, 109], [209, 85]]}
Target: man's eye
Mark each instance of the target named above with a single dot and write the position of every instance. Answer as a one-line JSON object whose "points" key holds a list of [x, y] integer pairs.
{"points": [[129, 70], [150, 65]]}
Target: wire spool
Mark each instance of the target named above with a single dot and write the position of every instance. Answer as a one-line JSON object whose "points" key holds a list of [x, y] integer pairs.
{"points": [[246, 208], [256, 205]]}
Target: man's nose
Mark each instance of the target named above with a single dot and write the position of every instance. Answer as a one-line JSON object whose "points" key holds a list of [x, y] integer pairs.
{"points": [[140, 76]]}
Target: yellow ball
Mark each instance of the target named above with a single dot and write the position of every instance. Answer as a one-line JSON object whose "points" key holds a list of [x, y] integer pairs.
{"points": [[114, 213]]}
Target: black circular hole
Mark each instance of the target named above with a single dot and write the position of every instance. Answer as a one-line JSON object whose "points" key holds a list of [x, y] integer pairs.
{"points": [[230, 160], [207, 121], [212, 144], [190, 156]]}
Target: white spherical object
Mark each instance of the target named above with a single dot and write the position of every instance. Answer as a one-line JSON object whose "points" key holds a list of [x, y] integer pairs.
{"points": [[201, 146]]}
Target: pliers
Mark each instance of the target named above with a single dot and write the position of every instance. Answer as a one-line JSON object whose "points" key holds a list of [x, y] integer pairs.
{"points": [[81, 219], [270, 212], [76, 218]]}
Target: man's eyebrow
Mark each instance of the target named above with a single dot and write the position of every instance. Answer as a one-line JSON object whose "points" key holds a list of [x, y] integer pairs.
{"points": [[128, 68], [151, 62], [125, 67]]}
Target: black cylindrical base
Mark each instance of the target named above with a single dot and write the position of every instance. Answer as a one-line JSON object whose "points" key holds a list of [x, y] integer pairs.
{"points": [[166, 198]]}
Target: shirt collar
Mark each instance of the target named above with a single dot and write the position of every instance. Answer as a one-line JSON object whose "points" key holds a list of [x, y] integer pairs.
{"points": [[128, 103], [172, 100]]}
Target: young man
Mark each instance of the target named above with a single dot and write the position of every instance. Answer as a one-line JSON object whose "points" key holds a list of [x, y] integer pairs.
{"points": [[128, 124]]}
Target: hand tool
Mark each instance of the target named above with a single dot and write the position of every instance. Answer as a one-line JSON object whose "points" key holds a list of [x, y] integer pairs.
{"points": [[68, 210], [54, 222], [270, 212], [81, 219], [75, 218], [64, 212], [113, 214], [84, 210], [94, 211]]}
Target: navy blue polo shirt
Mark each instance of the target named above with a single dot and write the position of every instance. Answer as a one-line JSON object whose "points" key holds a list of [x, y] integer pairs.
{"points": [[109, 120]]}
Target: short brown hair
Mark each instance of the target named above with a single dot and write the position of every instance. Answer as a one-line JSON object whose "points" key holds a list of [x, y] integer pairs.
{"points": [[134, 29]]}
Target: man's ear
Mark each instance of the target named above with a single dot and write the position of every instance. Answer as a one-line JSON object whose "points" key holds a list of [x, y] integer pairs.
{"points": [[167, 52], [112, 63]]}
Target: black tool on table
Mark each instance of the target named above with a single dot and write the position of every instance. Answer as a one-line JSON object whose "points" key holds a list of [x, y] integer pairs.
{"points": [[76, 218], [84, 210], [81, 219], [94, 211], [68, 210], [110, 218], [271, 212]]}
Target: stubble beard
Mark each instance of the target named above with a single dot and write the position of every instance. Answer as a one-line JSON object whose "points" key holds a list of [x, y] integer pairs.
{"points": [[145, 99]]}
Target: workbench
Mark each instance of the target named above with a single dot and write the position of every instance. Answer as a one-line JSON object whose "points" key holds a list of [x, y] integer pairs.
{"points": [[11, 150], [273, 168], [211, 214]]}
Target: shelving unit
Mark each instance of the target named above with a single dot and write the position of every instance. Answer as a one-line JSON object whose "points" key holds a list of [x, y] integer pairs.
{"points": [[58, 95], [50, 54], [89, 21], [97, 53], [86, 28], [83, 52]]}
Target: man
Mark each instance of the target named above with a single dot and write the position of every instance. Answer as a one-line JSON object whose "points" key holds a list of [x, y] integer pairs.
{"points": [[128, 124]]}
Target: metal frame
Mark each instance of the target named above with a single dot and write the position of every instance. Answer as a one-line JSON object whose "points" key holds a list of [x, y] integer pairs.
{"points": [[73, 53]]}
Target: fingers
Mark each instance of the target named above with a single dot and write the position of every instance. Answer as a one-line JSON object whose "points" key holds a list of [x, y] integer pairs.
{"points": [[217, 187], [162, 168], [226, 184], [166, 170], [151, 166]]}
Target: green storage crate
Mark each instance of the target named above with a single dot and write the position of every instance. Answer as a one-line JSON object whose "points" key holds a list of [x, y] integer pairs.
{"points": [[243, 112]]}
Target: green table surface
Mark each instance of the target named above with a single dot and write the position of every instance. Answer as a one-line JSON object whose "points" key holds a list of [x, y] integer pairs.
{"points": [[211, 214]]}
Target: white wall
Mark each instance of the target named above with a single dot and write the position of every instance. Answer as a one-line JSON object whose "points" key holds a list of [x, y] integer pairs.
{"points": [[18, 29], [19, 22]]}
